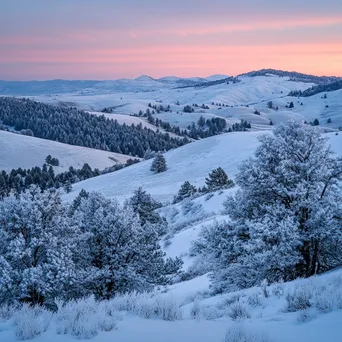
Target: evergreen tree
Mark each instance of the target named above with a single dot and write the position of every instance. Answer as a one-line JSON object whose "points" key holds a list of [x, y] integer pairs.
{"points": [[186, 190], [145, 206], [286, 219], [315, 122], [158, 164], [218, 180], [36, 249]]}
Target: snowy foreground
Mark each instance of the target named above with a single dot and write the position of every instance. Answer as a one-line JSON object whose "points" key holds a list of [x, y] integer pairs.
{"points": [[305, 310]]}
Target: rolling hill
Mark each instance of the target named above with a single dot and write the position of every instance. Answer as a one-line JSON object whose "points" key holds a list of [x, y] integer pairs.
{"points": [[18, 150]]}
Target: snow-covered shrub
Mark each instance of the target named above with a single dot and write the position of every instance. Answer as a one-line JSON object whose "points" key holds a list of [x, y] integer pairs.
{"points": [[306, 315], [299, 299], [325, 301], [238, 311], [195, 310], [190, 207], [277, 290], [255, 299], [148, 305], [208, 196], [84, 318], [230, 301], [264, 288], [163, 308], [7, 311], [31, 322], [241, 334], [212, 312]]}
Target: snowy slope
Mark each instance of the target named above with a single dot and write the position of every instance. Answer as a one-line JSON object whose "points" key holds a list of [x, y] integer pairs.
{"points": [[191, 162], [23, 151]]}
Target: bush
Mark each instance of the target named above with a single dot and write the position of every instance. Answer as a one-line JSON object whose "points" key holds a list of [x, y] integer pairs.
{"points": [[31, 322], [195, 310], [306, 315], [148, 305], [240, 334], [299, 299], [238, 311], [255, 300], [84, 318]]}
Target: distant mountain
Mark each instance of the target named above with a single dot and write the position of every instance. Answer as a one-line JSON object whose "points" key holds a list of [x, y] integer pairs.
{"points": [[293, 75], [216, 77], [43, 87], [144, 83]]}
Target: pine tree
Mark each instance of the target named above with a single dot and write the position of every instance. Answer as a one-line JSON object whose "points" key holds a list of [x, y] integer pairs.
{"points": [[158, 164], [218, 180], [36, 249], [145, 206], [286, 219], [186, 190]]}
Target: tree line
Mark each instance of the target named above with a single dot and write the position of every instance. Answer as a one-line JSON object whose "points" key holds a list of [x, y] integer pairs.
{"points": [[19, 180], [75, 127]]}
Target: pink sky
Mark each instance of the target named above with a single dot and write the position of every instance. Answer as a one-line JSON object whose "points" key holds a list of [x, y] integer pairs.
{"points": [[78, 40]]}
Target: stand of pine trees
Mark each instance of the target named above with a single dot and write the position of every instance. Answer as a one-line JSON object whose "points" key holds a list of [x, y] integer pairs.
{"points": [[19, 180], [75, 127]]}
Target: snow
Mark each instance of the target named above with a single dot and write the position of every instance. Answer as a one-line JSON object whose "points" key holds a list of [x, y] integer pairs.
{"points": [[191, 162], [269, 318], [18, 150], [130, 96]]}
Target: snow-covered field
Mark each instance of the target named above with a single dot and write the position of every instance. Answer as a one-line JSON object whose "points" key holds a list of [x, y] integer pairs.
{"points": [[18, 150]]}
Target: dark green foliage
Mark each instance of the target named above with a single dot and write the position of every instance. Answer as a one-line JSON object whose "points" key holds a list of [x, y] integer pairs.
{"points": [[51, 161], [332, 86], [315, 122], [145, 206], [75, 127], [158, 164], [187, 190], [294, 76], [188, 109], [19, 180], [218, 180]]}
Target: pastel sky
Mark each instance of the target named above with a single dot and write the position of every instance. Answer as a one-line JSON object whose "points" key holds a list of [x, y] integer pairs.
{"points": [[110, 39]]}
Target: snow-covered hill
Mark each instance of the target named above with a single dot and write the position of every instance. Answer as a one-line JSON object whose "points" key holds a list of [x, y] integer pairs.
{"points": [[18, 150], [230, 100], [191, 162]]}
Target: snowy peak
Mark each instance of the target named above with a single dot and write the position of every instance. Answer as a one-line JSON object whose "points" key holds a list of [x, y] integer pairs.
{"points": [[216, 77], [144, 78]]}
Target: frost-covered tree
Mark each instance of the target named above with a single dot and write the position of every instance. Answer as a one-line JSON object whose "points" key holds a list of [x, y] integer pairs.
{"points": [[159, 164], [218, 180], [36, 249], [186, 190], [145, 206], [119, 254], [287, 215]]}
